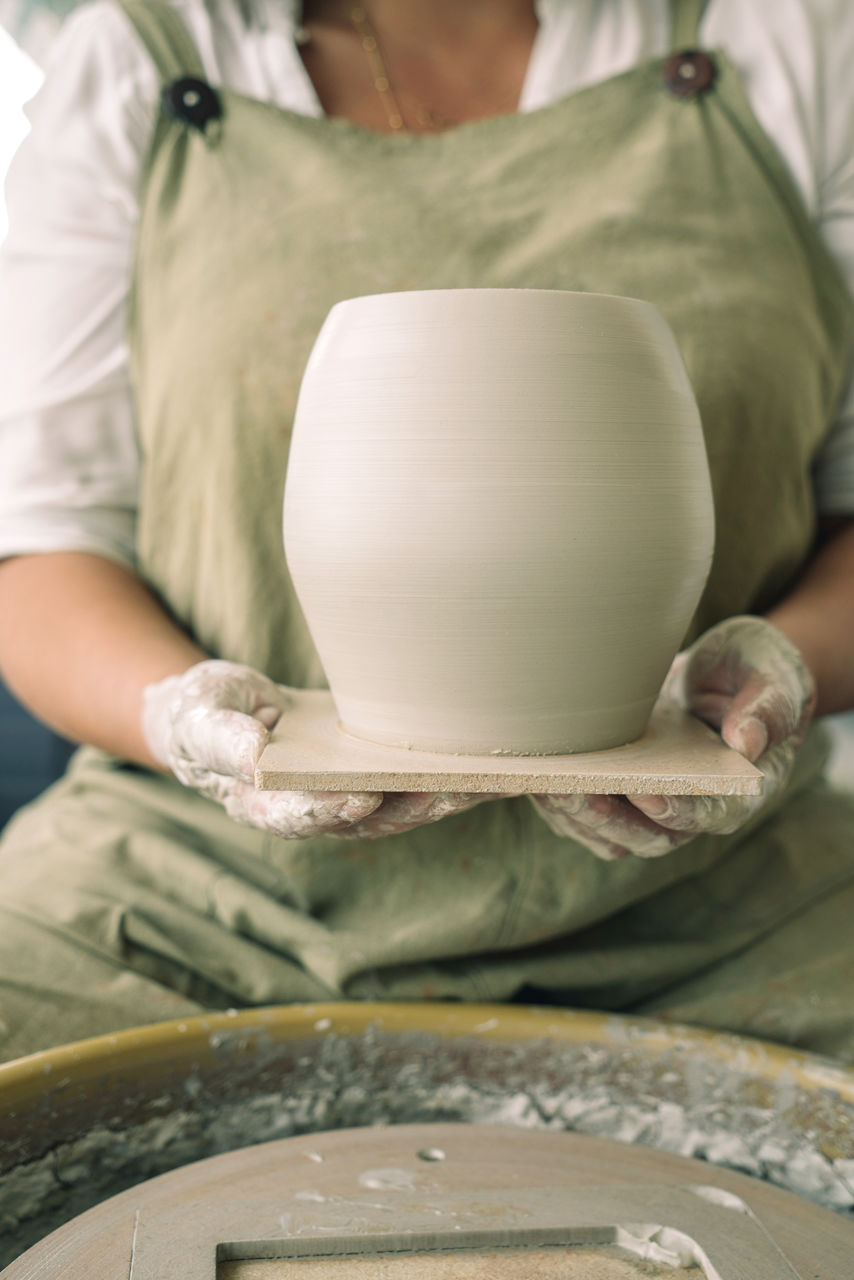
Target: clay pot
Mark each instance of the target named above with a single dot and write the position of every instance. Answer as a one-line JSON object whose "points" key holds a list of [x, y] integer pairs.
{"points": [[498, 516]]}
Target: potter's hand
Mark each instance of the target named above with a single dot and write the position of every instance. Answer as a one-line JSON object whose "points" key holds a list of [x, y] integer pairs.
{"points": [[401, 811], [210, 725], [748, 681]]}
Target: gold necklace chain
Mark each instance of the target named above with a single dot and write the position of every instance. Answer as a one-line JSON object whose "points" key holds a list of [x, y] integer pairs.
{"points": [[379, 74]]}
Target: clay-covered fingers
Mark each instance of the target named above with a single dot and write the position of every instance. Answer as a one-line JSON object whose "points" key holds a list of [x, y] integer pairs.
{"points": [[695, 815], [721, 815], [747, 680], [210, 725], [214, 718], [227, 743], [609, 826], [294, 815], [403, 810]]}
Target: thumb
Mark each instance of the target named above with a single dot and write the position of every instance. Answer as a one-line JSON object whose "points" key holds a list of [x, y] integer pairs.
{"points": [[745, 678], [226, 742]]}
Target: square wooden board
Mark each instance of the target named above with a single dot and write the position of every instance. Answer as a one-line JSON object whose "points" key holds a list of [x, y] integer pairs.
{"points": [[678, 755]]}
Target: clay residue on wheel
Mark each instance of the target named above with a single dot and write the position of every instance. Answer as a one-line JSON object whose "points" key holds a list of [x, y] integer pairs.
{"points": [[799, 1139]]}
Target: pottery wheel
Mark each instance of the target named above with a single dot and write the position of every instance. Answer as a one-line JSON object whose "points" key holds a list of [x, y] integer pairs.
{"points": [[430, 1201]]}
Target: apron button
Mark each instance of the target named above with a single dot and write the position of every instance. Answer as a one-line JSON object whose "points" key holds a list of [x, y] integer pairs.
{"points": [[192, 101], [690, 73]]}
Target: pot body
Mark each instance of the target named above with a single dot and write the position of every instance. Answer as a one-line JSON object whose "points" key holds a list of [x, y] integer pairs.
{"points": [[498, 516]]}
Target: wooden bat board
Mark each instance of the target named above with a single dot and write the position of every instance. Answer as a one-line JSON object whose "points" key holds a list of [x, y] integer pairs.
{"points": [[677, 755]]}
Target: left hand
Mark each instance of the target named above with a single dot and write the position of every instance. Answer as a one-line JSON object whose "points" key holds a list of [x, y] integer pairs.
{"points": [[745, 679]]}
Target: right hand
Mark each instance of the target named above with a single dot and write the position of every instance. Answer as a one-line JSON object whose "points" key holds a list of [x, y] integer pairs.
{"points": [[209, 727]]}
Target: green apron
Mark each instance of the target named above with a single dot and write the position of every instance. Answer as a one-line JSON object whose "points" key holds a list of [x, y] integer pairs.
{"points": [[133, 899]]}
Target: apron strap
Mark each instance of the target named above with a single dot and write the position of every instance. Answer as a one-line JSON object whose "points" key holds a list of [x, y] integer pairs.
{"points": [[685, 19], [165, 37]]}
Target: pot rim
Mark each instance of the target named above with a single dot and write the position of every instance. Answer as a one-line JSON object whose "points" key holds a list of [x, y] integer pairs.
{"points": [[357, 299]]}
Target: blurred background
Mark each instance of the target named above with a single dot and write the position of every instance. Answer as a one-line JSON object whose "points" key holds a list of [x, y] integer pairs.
{"points": [[30, 755]]}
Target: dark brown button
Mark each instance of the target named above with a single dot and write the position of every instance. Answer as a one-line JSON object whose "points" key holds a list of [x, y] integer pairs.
{"points": [[192, 101], [690, 73]]}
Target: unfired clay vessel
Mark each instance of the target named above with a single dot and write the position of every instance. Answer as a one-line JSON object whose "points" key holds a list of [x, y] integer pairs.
{"points": [[498, 516]]}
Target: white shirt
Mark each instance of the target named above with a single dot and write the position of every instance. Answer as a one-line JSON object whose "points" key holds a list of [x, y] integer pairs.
{"points": [[69, 462]]}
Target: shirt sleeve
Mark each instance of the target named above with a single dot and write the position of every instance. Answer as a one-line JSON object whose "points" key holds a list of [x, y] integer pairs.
{"points": [[70, 461]]}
